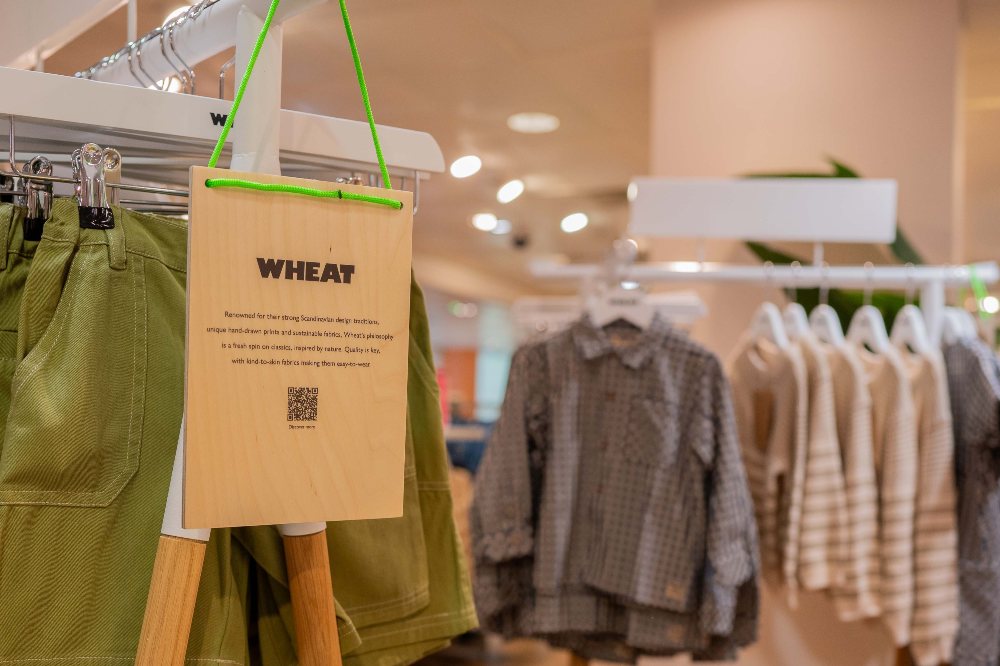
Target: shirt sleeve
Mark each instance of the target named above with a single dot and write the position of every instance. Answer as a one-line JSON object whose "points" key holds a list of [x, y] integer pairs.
{"points": [[504, 501], [731, 534]]}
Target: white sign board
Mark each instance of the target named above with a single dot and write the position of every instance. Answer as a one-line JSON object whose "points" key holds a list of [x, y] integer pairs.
{"points": [[846, 210]]}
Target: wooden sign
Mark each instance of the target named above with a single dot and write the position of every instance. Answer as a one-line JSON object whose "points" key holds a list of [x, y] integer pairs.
{"points": [[297, 342]]}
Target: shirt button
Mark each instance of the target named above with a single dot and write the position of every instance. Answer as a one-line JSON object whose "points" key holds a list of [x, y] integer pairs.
{"points": [[610, 396]]}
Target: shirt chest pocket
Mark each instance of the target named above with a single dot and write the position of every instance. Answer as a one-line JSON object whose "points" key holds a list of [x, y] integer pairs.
{"points": [[652, 432]]}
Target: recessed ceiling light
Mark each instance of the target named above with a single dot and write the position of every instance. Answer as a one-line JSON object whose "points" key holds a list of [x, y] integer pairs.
{"points": [[574, 222], [533, 122], [174, 14], [630, 285], [510, 191], [503, 228], [485, 221], [991, 304], [466, 166]]}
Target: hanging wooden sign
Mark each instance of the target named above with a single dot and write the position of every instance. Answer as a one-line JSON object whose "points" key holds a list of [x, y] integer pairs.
{"points": [[297, 342]]}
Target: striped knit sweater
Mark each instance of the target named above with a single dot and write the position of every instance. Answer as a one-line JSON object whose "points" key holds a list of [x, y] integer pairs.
{"points": [[770, 398], [857, 596], [824, 537], [895, 447], [935, 612]]}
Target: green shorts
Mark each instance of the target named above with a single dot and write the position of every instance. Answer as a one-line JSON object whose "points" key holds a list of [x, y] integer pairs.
{"points": [[92, 399], [92, 394]]}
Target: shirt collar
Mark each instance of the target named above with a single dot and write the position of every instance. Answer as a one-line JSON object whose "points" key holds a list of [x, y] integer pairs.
{"points": [[592, 341]]}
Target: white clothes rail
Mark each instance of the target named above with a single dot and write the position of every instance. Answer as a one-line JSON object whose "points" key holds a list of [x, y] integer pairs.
{"points": [[930, 281], [206, 29]]}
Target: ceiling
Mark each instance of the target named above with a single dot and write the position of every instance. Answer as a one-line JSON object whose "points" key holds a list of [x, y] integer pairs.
{"points": [[458, 69]]}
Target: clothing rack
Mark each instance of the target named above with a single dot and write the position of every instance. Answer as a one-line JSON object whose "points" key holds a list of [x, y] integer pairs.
{"points": [[931, 281]]}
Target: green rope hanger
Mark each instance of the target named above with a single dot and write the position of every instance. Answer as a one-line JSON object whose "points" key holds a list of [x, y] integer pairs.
{"points": [[307, 191], [294, 189]]}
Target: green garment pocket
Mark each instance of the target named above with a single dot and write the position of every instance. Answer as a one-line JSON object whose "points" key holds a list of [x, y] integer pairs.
{"points": [[74, 428]]}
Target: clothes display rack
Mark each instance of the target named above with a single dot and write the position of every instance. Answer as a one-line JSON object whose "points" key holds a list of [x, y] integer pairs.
{"points": [[158, 146]]}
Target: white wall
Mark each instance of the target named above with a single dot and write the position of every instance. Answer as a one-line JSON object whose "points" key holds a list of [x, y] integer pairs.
{"points": [[742, 86]]}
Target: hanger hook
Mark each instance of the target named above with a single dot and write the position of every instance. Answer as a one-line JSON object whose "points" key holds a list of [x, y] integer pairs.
{"points": [[138, 61], [824, 284], [769, 272], [869, 280], [181, 76], [796, 274], [911, 286], [131, 65], [173, 47]]}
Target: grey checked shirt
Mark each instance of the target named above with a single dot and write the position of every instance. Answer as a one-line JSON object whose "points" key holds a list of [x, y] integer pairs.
{"points": [[612, 498], [974, 387]]}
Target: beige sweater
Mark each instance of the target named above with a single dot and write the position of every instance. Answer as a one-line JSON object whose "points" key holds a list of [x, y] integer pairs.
{"points": [[770, 398], [824, 536], [935, 612], [895, 447], [857, 596]]}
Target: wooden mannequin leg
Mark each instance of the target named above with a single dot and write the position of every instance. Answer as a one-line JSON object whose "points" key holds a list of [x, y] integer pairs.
{"points": [[173, 590], [313, 608]]}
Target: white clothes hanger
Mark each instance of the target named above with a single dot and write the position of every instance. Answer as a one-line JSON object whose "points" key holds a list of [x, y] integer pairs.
{"points": [[953, 326], [618, 303], [909, 331], [795, 319], [824, 320], [867, 327], [767, 324], [825, 325]]}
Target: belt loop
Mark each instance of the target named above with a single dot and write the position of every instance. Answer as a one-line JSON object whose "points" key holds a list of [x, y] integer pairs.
{"points": [[6, 226], [116, 241]]}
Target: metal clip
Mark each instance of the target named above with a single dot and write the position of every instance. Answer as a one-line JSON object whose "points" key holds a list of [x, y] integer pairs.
{"points": [[38, 197], [112, 174], [92, 195]]}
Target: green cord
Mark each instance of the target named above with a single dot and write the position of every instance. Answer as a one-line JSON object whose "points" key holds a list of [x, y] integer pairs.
{"points": [[294, 189], [238, 97], [308, 191], [364, 93]]}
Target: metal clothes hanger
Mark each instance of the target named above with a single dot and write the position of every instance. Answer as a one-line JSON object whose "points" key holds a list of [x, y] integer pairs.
{"points": [[795, 319], [909, 331], [867, 328], [824, 320]]}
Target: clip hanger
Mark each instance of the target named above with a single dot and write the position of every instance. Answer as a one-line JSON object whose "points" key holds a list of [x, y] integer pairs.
{"points": [[88, 163], [38, 197]]}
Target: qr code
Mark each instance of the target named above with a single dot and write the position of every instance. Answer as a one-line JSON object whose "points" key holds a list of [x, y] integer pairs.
{"points": [[303, 403]]}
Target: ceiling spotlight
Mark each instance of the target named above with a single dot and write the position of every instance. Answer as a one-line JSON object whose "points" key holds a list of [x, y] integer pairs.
{"points": [[503, 228], [485, 221], [630, 285], [632, 192], [574, 222], [991, 305], [466, 166], [174, 14], [510, 190], [533, 122]]}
